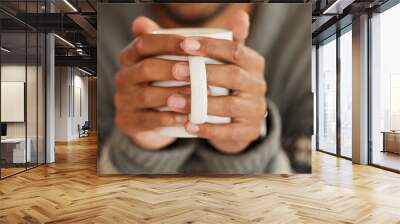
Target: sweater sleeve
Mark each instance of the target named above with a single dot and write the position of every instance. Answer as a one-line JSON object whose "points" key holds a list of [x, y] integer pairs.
{"points": [[256, 159], [122, 156]]}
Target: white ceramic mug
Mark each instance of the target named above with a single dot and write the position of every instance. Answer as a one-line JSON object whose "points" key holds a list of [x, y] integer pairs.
{"points": [[198, 80]]}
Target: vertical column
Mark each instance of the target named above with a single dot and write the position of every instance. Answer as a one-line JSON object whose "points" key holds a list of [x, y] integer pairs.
{"points": [[50, 92], [338, 99], [360, 90]]}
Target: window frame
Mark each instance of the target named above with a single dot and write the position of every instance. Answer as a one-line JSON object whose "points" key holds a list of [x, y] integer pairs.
{"points": [[334, 37], [378, 10]]}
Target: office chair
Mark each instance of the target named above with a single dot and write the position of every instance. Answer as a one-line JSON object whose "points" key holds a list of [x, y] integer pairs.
{"points": [[84, 130]]}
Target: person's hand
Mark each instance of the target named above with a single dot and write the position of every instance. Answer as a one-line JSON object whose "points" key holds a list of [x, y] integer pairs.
{"points": [[244, 75], [136, 99]]}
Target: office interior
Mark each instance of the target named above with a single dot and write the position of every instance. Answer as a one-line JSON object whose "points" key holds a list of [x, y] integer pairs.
{"points": [[367, 80], [48, 88], [48, 94]]}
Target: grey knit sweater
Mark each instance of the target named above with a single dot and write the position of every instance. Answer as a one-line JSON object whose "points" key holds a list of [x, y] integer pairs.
{"points": [[286, 44]]}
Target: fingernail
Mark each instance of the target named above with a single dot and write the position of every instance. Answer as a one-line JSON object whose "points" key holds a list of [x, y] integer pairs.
{"points": [[181, 71], [190, 44], [193, 128], [181, 119], [176, 101]]}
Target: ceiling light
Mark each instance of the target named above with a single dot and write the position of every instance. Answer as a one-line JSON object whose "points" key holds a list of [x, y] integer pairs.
{"points": [[5, 50], [338, 6], [70, 5], [84, 71], [65, 41]]}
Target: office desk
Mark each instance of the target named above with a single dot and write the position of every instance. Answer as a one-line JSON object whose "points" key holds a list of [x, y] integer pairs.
{"points": [[13, 150], [391, 141]]}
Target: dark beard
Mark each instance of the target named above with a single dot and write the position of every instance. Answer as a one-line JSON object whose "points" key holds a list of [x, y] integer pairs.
{"points": [[195, 21]]}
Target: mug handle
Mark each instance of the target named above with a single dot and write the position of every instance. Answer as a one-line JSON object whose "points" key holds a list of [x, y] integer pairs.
{"points": [[198, 86]]}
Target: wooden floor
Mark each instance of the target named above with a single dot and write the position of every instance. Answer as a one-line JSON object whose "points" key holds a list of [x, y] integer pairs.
{"points": [[69, 191], [387, 159], [5, 172]]}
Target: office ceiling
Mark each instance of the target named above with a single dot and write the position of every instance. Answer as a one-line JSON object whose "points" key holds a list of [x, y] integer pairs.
{"points": [[19, 54]]}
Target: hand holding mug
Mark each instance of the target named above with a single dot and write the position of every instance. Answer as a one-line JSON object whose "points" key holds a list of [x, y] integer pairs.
{"points": [[244, 75], [136, 98]]}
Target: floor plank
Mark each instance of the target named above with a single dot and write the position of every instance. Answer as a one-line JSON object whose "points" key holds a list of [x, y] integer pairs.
{"points": [[70, 191]]}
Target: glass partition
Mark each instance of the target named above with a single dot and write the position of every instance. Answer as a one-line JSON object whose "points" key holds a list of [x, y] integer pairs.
{"points": [[327, 95], [14, 153], [31, 100], [41, 96], [23, 91], [385, 89], [346, 93]]}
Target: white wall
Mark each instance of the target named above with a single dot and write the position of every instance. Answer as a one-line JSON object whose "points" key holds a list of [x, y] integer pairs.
{"points": [[16, 73], [61, 103], [33, 127], [71, 93]]}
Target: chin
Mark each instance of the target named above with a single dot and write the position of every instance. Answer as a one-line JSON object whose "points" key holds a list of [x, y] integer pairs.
{"points": [[193, 11]]}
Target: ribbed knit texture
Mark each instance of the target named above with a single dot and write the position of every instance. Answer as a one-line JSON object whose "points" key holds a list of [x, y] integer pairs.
{"points": [[193, 156], [254, 160], [129, 158]]}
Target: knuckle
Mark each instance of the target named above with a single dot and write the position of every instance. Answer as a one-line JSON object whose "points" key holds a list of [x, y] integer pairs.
{"points": [[261, 60], [141, 96], [145, 96], [235, 69], [123, 57], [166, 119], [146, 120], [145, 68], [231, 106], [263, 87], [205, 131], [126, 53], [261, 108], [236, 49], [237, 76], [138, 45]]}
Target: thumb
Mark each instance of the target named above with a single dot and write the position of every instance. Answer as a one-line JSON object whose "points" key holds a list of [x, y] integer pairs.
{"points": [[239, 24], [143, 25]]}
